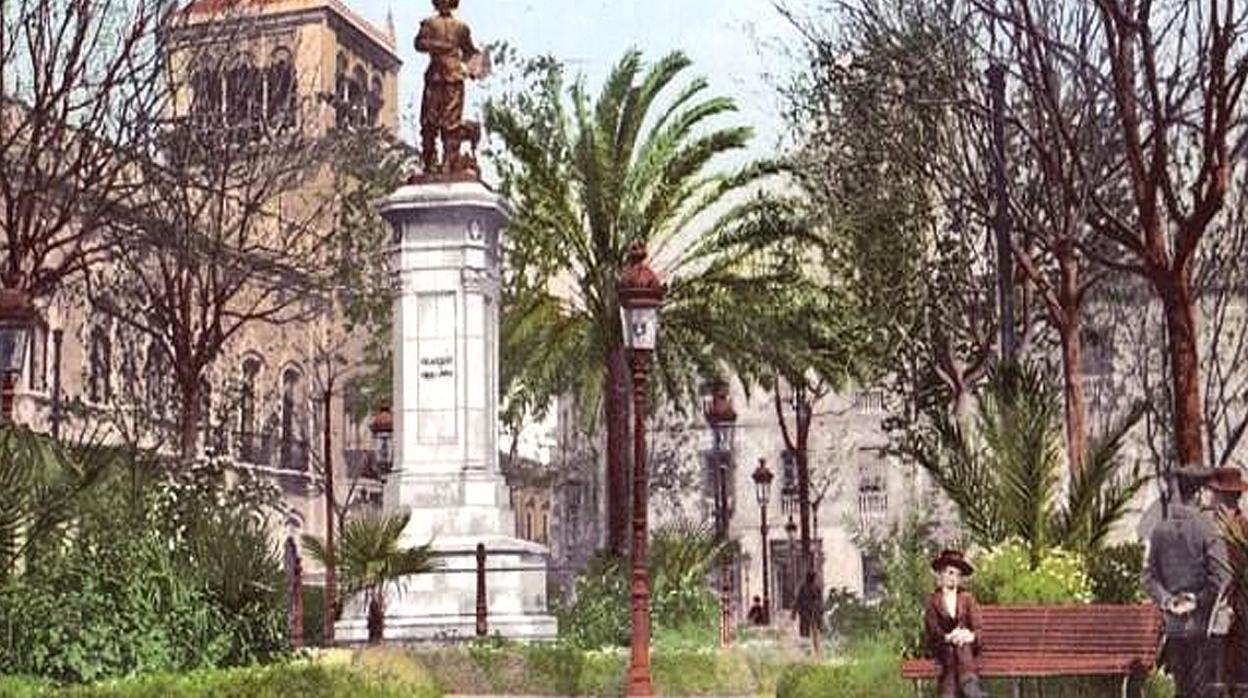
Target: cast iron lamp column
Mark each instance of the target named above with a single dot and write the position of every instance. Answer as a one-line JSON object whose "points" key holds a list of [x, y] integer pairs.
{"points": [[762, 490], [790, 530], [723, 421], [641, 296], [17, 314]]}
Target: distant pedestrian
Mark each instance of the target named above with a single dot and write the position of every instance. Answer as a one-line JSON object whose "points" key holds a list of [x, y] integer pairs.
{"points": [[757, 614], [809, 610], [951, 627], [1185, 573]]}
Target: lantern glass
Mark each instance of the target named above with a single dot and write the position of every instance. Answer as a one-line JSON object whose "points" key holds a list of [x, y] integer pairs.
{"points": [[641, 327], [762, 490], [723, 435], [13, 340], [382, 442]]}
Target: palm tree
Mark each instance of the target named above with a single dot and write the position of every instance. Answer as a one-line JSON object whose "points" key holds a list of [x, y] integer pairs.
{"points": [[1004, 471], [590, 180], [369, 559]]}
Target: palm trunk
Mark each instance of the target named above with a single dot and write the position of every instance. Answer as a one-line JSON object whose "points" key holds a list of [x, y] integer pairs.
{"points": [[615, 397]]}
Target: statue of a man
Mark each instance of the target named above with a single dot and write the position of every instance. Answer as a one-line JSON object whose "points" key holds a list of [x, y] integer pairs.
{"points": [[452, 58]]}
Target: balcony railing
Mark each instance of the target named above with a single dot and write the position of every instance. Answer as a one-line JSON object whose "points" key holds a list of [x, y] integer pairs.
{"points": [[872, 506]]}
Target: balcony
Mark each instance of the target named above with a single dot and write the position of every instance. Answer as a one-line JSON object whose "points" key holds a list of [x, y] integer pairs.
{"points": [[872, 506]]}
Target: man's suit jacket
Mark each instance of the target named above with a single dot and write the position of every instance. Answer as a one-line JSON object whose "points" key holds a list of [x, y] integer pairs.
{"points": [[1186, 554]]}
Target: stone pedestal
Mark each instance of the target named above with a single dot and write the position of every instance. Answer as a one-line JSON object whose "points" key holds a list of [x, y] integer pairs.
{"points": [[446, 265]]}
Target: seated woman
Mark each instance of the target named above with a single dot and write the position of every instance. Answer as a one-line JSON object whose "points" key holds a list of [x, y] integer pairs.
{"points": [[951, 626]]}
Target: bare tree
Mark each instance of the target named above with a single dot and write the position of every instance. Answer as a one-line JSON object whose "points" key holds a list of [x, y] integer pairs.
{"points": [[1164, 83], [232, 220], [79, 92]]}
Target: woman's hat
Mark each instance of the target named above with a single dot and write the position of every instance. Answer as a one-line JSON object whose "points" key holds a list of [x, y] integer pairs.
{"points": [[1227, 480], [952, 558]]}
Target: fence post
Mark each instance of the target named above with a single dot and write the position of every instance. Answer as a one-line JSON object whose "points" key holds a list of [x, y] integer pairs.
{"points": [[483, 627]]}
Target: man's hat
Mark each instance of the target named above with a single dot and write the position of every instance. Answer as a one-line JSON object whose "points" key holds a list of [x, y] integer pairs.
{"points": [[1227, 480], [952, 558]]}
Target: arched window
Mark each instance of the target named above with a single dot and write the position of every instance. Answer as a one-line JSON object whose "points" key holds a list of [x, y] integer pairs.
{"points": [[156, 380], [545, 523], [357, 96], [294, 438], [341, 93], [374, 101], [281, 90], [206, 93], [99, 380], [244, 98], [248, 439]]}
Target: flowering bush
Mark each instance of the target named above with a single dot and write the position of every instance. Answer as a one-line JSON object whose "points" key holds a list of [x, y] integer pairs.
{"points": [[1005, 574]]}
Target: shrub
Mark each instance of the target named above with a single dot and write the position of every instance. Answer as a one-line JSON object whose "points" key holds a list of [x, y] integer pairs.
{"points": [[1115, 572], [1005, 575], [872, 670], [306, 680], [906, 555]]}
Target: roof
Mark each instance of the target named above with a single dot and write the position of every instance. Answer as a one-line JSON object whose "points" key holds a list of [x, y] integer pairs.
{"points": [[273, 7]]}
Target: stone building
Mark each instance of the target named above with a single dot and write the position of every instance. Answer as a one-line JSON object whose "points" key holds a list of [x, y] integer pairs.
{"points": [[311, 65]]}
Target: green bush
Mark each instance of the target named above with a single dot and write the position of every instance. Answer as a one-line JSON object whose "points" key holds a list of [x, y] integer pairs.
{"points": [[161, 573], [305, 680], [683, 604], [870, 671], [906, 555], [1115, 572], [1005, 575]]}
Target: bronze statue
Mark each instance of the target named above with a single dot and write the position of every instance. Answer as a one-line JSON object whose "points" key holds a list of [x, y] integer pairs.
{"points": [[452, 59]]}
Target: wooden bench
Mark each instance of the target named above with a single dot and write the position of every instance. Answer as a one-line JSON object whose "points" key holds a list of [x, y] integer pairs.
{"points": [[1041, 641]]}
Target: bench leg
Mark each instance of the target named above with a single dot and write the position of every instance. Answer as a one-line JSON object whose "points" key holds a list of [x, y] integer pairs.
{"points": [[1126, 683], [1018, 688]]}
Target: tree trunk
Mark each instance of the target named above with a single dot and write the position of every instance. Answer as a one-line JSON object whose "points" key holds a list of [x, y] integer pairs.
{"points": [[376, 622], [1180, 311], [1072, 359], [615, 398], [188, 416]]}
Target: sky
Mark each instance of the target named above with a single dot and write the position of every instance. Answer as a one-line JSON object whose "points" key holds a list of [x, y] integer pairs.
{"points": [[736, 44]]}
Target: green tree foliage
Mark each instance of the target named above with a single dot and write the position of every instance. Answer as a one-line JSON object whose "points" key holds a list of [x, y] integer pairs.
{"points": [[146, 571], [370, 559], [1003, 471], [874, 116]]}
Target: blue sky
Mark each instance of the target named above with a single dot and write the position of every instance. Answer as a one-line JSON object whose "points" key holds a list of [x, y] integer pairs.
{"points": [[737, 44]]}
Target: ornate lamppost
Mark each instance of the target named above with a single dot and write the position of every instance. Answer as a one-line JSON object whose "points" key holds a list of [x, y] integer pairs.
{"points": [[762, 490], [17, 315], [723, 421], [641, 296]]}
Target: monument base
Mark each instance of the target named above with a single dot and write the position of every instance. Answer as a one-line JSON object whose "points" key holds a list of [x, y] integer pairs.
{"points": [[441, 606]]}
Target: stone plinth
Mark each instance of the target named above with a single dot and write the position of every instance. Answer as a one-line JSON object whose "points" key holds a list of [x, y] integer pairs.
{"points": [[446, 266]]}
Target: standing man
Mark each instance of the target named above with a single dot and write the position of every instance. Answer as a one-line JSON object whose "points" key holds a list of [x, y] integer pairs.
{"points": [[1185, 573], [809, 610], [1229, 626], [448, 42]]}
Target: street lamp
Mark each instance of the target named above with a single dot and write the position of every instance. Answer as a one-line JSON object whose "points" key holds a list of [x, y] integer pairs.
{"points": [[762, 490], [17, 315], [641, 296], [723, 420], [383, 438]]}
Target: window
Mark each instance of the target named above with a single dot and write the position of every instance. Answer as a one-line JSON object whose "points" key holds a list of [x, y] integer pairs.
{"points": [[872, 492], [244, 99], [1098, 352], [156, 380], [872, 577], [206, 95], [281, 98], [249, 445], [374, 101], [38, 358], [545, 524], [99, 383], [294, 444]]}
